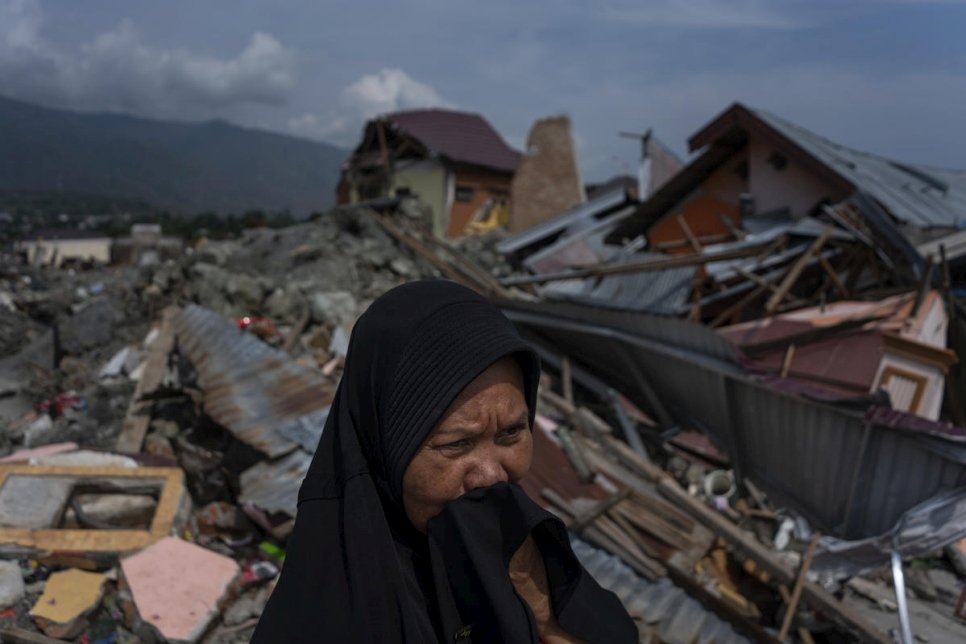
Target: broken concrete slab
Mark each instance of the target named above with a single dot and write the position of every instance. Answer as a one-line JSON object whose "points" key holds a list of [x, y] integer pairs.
{"points": [[11, 584], [33, 502], [68, 598], [333, 307], [178, 587], [39, 431]]}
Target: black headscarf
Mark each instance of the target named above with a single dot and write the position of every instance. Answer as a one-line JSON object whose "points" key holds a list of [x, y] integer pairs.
{"points": [[356, 570]]}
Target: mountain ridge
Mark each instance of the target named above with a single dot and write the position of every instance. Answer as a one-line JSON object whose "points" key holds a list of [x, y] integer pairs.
{"points": [[186, 166]]}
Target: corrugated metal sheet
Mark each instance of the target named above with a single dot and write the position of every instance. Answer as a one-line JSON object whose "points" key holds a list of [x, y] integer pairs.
{"points": [[586, 211], [582, 244], [250, 388], [851, 477], [273, 486], [659, 292], [695, 340], [663, 610]]}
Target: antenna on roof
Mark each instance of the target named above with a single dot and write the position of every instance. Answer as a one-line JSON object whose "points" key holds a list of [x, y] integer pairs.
{"points": [[644, 167]]}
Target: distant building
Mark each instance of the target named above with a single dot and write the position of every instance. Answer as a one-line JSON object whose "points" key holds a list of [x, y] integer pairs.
{"points": [[146, 246], [455, 162], [54, 247]]}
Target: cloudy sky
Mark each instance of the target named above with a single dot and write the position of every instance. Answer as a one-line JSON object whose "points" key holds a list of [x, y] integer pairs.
{"points": [[884, 76]]}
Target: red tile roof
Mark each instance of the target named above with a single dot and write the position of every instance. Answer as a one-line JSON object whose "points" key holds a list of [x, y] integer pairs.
{"points": [[458, 136]]}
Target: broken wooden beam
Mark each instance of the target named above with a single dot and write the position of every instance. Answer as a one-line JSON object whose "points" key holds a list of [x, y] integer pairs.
{"points": [[796, 270], [797, 590], [599, 270], [641, 475]]}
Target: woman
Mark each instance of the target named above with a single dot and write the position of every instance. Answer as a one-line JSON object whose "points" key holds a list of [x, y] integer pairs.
{"points": [[410, 526]]}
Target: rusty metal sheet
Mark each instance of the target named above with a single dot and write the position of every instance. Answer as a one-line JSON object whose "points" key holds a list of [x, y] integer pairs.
{"points": [[249, 387]]}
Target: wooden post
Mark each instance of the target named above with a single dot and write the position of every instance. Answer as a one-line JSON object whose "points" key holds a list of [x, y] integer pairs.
{"points": [[796, 270], [797, 591], [566, 380]]}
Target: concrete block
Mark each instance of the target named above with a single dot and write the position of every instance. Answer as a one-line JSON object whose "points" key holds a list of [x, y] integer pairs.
{"points": [[33, 502], [11, 584], [68, 598], [178, 586]]}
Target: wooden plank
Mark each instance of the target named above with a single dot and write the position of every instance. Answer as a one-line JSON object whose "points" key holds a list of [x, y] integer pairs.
{"points": [[99, 541], [156, 364], [134, 427], [675, 261], [566, 380], [598, 536], [797, 590], [639, 474], [796, 270], [689, 235], [737, 307], [586, 518], [834, 276]]}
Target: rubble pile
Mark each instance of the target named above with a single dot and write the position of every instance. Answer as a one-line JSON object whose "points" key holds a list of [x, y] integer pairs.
{"points": [[752, 422], [153, 433]]}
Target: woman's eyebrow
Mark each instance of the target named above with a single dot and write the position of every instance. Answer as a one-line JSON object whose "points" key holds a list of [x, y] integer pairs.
{"points": [[520, 421]]}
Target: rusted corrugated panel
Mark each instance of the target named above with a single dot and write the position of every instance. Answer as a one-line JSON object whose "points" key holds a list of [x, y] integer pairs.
{"points": [[249, 387]]}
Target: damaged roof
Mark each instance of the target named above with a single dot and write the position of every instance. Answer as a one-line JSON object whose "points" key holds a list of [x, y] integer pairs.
{"points": [[915, 195], [462, 137]]}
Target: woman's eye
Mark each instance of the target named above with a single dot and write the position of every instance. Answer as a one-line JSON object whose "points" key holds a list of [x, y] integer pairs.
{"points": [[512, 432], [455, 445]]}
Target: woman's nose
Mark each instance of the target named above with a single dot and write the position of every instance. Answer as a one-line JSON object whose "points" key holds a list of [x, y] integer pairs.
{"points": [[485, 472]]}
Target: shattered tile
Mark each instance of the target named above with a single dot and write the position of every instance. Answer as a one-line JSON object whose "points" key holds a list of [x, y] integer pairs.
{"points": [[178, 586], [68, 598]]}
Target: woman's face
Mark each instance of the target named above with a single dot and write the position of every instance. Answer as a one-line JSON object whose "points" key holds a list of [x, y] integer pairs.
{"points": [[483, 438]]}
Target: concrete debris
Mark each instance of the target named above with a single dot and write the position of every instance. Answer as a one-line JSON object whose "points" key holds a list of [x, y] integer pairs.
{"points": [[30, 455], [68, 599], [11, 584], [699, 347], [178, 587], [85, 458]]}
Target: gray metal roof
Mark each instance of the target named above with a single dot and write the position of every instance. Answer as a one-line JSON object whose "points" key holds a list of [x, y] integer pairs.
{"points": [[659, 292], [662, 609], [914, 194], [556, 225], [852, 477]]}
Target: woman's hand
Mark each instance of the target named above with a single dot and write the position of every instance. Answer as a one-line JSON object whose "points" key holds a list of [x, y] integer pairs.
{"points": [[529, 578]]}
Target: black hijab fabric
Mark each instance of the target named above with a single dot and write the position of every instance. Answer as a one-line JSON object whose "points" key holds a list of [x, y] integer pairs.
{"points": [[355, 569]]}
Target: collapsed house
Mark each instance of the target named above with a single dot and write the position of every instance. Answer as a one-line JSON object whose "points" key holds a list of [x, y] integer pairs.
{"points": [[455, 162]]}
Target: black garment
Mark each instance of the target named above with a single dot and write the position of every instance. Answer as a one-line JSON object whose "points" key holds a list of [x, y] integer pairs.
{"points": [[471, 543], [356, 570]]}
